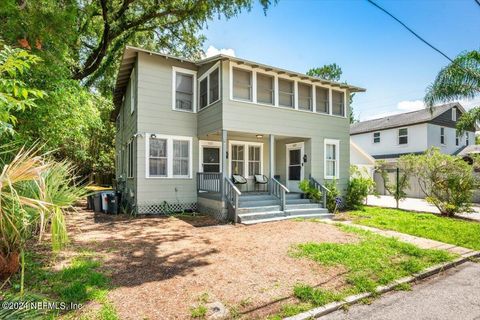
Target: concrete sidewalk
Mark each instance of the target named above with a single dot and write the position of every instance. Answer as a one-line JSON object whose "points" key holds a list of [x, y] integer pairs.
{"points": [[414, 204], [451, 295]]}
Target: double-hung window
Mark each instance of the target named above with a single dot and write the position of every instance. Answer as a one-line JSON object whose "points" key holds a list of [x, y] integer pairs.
{"points": [[169, 156], [286, 93], [338, 103], [457, 138], [183, 89], [130, 157], [133, 91], [265, 89], [322, 100], [442, 135], [242, 84], [238, 160], [305, 101], [376, 137], [209, 87], [331, 158], [403, 136], [254, 160]]}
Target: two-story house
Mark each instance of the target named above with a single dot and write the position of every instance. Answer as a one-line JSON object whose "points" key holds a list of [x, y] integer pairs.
{"points": [[413, 132], [185, 128]]}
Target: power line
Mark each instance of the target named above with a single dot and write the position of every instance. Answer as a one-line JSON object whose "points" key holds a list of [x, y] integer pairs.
{"points": [[478, 2], [411, 31]]}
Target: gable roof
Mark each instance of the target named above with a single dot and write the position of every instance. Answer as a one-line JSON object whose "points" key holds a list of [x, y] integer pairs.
{"points": [[402, 119], [130, 54]]}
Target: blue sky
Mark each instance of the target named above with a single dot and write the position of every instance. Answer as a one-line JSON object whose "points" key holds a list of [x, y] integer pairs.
{"points": [[374, 51]]}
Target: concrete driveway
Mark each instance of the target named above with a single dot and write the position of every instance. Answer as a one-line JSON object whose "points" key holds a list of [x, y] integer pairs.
{"points": [[452, 295], [415, 204]]}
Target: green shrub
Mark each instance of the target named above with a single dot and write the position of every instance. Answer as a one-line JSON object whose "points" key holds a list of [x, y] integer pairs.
{"points": [[359, 187], [332, 195], [311, 192]]}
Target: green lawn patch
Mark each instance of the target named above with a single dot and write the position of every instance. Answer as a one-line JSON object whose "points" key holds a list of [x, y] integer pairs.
{"points": [[372, 261], [79, 282], [449, 230]]}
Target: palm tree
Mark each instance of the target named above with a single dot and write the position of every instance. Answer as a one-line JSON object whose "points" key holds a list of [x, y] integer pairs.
{"points": [[459, 80]]}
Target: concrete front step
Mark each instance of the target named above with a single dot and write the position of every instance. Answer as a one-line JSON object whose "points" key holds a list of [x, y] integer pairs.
{"points": [[298, 201], [293, 216], [298, 206], [258, 203], [305, 210], [258, 209]]}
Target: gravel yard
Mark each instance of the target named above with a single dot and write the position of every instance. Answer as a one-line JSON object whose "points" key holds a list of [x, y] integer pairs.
{"points": [[162, 267]]}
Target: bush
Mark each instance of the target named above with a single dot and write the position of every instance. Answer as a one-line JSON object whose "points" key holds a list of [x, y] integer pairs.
{"points": [[311, 192], [447, 181], [332, 195], [359, 187]]}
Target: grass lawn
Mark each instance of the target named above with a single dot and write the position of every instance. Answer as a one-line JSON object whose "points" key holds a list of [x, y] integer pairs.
{"points": [[449, 230], [80, 281], [372, 261]]}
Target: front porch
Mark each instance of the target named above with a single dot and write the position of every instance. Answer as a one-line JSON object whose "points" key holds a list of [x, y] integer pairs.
{"points": [[270, 169]]}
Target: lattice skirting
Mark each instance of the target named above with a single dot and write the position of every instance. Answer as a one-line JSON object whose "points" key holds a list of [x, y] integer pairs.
{"points": [[165, 208], [217, 213]]}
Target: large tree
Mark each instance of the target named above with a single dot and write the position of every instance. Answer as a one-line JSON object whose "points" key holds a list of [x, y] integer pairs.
{"points": [[459, 80], [332, 72]]}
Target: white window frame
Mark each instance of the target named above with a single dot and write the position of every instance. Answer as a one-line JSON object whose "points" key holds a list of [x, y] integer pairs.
{"points": [[286, 76], [169, 139], [246, 145], [454, 114], [208, 144], [207, 75], [130, 159], [133, 93], [398, 137], [442, 136], [337, 160], [174, 86], [379, 137]]}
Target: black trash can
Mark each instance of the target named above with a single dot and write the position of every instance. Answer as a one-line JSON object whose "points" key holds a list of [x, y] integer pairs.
{"points": [[113, 203], [97, 202], [90, 202]]}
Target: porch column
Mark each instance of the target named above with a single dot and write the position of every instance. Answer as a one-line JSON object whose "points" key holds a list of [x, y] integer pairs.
{"points": [[271, 156], [224, 163]]}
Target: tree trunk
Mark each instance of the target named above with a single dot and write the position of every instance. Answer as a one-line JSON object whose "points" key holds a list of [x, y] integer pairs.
{"points": [[9, 265]]}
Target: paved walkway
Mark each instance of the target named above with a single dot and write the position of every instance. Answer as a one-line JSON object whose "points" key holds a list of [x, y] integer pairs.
{"points": [[422, 243], [451, 295], [414, 204]]}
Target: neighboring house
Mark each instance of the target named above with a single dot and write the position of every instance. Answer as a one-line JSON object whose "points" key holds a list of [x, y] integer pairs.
{"points": [[413, 132], [185, 127], [362, 160]]}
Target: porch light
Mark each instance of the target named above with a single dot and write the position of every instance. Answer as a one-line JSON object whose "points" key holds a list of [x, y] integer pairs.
{"points": [[153, 136], [259, 136], [305, 158]]}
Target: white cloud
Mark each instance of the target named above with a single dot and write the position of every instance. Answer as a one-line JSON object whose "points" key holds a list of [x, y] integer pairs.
{"points": [[469, 104], [212, 51], [410, 105]]}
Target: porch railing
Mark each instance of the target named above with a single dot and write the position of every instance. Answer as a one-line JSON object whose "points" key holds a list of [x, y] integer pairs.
{"points": [[209, 181], [279, 191], [232, 196], [320, 187]]}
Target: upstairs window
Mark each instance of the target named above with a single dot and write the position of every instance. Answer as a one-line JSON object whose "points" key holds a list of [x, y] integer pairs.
{"points": [[376, 137], [338, 103], [242, 84], [203, 93], [286, 93], [183, 93], [442, 135], [305, 97], [214, 86], [265, 89], [322, 100], [403, 136]]}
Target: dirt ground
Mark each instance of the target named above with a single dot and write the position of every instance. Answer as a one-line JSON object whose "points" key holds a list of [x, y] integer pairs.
{"points": [[163, 266]]}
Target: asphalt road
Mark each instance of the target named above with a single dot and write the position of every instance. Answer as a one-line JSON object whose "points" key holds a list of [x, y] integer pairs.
{"points": [[452, 295]]}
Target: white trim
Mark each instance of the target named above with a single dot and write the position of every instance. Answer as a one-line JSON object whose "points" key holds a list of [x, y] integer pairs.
{"points": [[169, 139], [206, 75], [337, 157], [294, 146], [133, 91], [362, 152], [131, 154], [208, 143], [295, 79], [245, 144], [194, 88], [454, 114]]}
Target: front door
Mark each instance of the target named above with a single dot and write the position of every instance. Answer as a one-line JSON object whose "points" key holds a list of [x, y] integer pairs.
{"points": [[294, 166], [211, 159]]}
